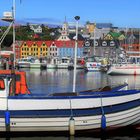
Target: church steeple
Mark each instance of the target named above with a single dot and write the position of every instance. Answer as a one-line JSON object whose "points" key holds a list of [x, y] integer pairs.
{"points": [[65, 28], [65, 31]]}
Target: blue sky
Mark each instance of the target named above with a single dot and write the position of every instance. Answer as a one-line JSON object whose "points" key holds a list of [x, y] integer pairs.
{"points": [[122, 13]]}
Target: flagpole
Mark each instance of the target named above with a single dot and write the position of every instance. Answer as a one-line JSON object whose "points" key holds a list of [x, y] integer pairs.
{"points": [[75, 53]]}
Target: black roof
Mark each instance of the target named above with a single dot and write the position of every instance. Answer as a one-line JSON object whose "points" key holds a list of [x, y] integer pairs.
{"points": [[72, 35]]}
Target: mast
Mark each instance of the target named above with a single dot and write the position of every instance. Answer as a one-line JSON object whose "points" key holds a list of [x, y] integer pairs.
{"points": [[75, 53], [13, 56], [94, 39], [139, 39], [14, 12]]}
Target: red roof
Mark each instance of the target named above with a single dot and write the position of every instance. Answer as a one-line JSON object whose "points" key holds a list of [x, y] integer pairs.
{"points": [[59, 44], [29, 43], [48, 43], [39, 43]]}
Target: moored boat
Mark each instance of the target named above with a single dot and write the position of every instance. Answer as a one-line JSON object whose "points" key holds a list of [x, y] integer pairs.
{"points": [[124, 69], [86, 110], [92, 64], [52, 63], [35, 63], [64, 63], [30, 62], [23, 63]]}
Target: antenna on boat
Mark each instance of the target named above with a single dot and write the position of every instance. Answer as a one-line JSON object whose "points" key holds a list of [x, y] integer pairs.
{"points": [[75, 52]]}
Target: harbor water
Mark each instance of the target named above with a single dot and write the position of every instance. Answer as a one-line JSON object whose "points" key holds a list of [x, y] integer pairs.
{"points": [[53, 81]]}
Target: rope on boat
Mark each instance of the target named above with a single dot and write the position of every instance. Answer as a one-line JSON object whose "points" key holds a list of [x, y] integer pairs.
{"points": [[103, 118]]}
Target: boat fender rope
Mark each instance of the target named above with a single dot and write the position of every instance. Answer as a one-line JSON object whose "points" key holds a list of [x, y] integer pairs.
{"points": [[103, 118]]}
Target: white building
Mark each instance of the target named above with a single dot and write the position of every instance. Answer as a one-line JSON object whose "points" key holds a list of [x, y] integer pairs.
{"points": [[52, 50], [36, 28]]}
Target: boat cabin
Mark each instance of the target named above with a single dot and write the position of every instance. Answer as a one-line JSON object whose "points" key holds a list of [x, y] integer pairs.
{"points": [[16, 82]]}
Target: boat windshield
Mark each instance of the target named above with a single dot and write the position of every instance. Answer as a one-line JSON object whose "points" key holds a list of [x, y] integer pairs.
{"points": [[93, 59]]}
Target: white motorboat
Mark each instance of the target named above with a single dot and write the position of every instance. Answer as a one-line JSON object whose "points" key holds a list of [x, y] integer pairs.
{"points": [[64, 63]]}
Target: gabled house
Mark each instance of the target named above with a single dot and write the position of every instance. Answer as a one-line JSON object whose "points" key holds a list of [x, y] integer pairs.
{"points": [[36, 28], [113, 36], [52, 50]]}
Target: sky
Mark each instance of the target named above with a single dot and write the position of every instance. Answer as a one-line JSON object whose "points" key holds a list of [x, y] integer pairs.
{"points": [[121, 13]]}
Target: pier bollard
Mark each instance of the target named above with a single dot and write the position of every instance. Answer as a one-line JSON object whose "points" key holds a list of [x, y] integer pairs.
{"points": [[72, 126]]}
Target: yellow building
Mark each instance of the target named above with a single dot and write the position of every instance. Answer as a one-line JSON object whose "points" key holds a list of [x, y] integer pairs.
{"points": [[34, 48], [91, 27]]}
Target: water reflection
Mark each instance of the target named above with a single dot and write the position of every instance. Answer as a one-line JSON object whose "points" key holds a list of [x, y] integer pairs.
{"points": [[52, 81]]}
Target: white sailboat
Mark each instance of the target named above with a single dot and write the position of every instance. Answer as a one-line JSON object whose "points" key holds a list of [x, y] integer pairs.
{"points": [[128, 67]]}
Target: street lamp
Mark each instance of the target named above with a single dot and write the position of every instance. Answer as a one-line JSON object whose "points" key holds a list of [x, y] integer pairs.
{"points": [[77, 18]]}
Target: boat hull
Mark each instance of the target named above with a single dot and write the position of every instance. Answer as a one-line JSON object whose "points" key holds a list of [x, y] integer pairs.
{"points": [[124, 70], [92, 66], [54, 113], [51, 124]]}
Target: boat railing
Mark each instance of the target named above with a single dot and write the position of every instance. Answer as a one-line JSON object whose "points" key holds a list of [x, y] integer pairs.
{"points": [[64, 94]]}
